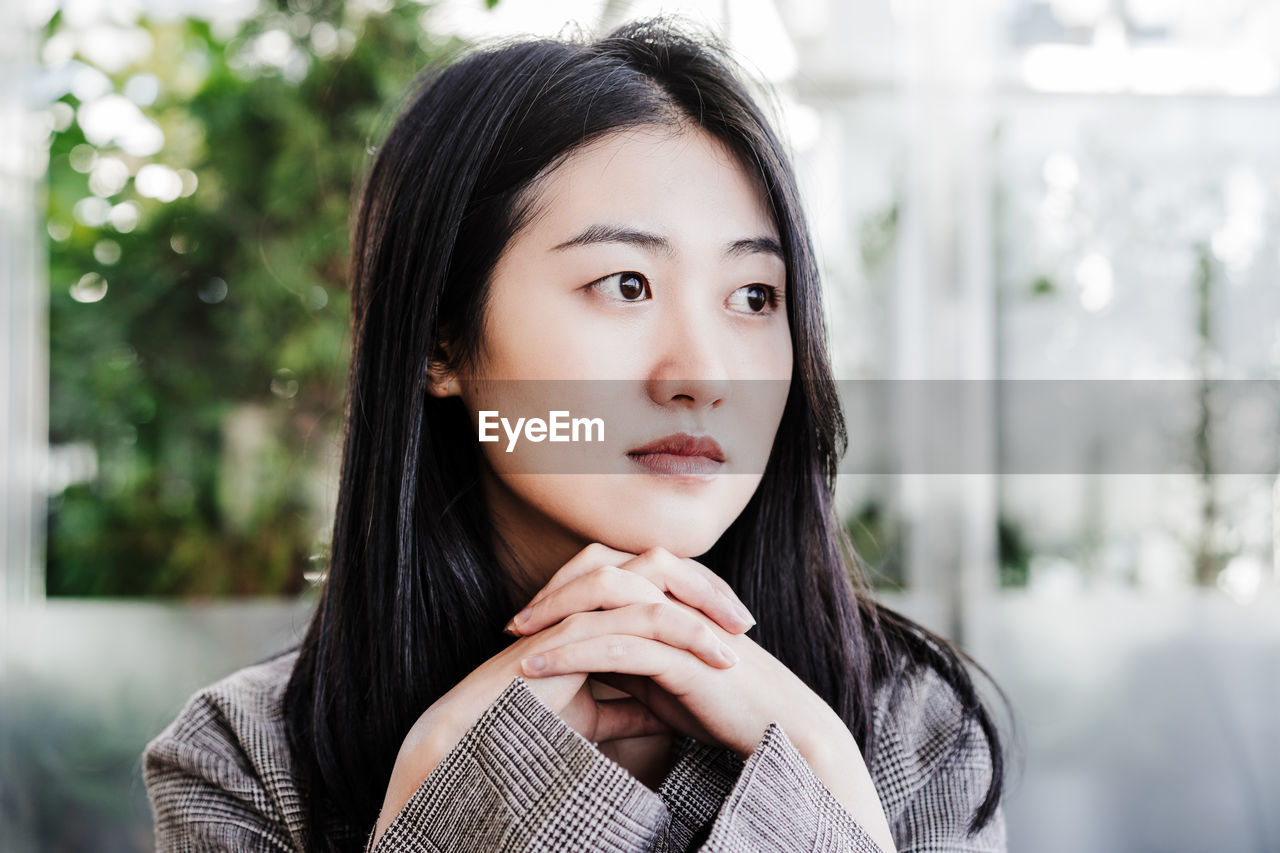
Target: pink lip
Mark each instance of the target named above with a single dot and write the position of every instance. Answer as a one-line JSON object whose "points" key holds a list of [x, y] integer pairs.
{"points": [[680, 454]]}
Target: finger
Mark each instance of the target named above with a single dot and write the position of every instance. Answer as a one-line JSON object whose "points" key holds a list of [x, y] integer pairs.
{"points": [[685, 579], [603, 588], [659, 700], [637, 686], [622, 718], [624, 653], [591, 557], [665, 621], [695, 585]]}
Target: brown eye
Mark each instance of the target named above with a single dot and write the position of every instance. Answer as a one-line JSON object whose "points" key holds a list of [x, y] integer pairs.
{"points": [[754, 298], [624, 286]]}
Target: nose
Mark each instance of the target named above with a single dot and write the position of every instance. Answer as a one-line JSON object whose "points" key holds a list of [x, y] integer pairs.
{"points": [[692, 357]]}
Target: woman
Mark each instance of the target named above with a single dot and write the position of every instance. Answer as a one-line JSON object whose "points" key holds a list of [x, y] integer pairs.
{"points": [[690, 667]]}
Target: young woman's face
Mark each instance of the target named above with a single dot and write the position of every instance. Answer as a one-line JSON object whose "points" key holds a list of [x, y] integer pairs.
{"points": [[652, 262]]}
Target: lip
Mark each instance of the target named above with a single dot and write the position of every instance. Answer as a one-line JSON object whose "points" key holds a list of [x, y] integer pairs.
{"points": [[682, 444], [680, 454]]}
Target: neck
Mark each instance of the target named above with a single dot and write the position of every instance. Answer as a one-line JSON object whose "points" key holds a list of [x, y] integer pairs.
{"points": [[530, 546]]}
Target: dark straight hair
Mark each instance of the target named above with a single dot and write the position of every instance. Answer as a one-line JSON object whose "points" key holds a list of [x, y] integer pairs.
{"points": [[414, 598]]}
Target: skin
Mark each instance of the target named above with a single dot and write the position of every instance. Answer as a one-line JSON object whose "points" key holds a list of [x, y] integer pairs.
{"points": [[677, 360], [637, 639]]}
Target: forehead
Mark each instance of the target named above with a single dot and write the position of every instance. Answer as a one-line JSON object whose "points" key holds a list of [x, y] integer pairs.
{"points": [[681, 181]]}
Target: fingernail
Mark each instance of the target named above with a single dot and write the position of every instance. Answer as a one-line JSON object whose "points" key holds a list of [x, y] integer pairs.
{"points": [[728, 653], [510, 627], [521, 617], [537, 663], [745, 615]]}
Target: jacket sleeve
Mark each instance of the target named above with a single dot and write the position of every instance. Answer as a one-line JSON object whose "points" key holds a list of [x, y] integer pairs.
{"points": [[779, 804], [523, 779], [205, 797], [931, 769]]}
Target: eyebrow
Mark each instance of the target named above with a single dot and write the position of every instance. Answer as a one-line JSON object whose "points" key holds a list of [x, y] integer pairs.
{"points": [[649, 241]]}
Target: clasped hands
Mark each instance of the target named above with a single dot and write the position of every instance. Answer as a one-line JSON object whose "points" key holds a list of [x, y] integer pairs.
{"points": [[666, 630]]}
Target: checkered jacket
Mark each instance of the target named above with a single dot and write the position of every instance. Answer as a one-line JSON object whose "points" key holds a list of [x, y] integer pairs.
{"points": [[219, 778]]}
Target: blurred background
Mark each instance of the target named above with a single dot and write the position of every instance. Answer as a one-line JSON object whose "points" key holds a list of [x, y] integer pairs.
{"points": [[1082, 190]]}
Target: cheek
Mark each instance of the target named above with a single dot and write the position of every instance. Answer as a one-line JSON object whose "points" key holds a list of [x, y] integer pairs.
{"points": [[780, 354], [539, 331], [755, 352]]}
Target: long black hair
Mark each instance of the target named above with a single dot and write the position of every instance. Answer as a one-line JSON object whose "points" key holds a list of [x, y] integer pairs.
{"points": [[414, 598]]}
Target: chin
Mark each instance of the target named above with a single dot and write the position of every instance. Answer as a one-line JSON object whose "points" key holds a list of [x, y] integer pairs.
{"points": [[684, 540], [641, 517]]}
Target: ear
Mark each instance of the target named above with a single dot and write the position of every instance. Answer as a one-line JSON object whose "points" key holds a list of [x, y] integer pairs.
{"points": [[441, 379]]}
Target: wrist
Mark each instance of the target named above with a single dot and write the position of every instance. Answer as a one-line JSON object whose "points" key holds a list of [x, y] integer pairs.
{"points": [[426, 745], [831, 751], [441, 735], [814, 727], [433, 735]]}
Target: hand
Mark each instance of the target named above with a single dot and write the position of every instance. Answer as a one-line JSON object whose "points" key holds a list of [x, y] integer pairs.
{"points": [[610, 603], [730, 707], [689, 581], [596, 600]]}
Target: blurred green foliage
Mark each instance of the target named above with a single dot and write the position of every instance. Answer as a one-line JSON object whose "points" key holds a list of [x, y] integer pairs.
{"points": [[1014, 552], [877, 541], [208, 376]]}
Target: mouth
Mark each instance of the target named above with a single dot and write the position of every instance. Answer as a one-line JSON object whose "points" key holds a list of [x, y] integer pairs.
{"points": [[680, 454]]}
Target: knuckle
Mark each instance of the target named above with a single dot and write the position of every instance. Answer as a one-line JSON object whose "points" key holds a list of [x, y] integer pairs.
{"points": [[616, 648], [645, 580], [657, 612], [657, 552], [605, 576]]}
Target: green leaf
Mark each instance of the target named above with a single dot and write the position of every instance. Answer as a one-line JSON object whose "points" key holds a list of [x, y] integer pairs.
{"points": [[209, 378]]}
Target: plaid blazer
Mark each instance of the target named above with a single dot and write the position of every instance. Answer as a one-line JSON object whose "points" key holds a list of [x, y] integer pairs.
{"points": [[219, 779]]}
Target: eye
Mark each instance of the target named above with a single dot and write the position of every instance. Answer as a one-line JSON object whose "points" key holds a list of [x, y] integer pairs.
{"points": [[755, 299], [623, 286]]}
